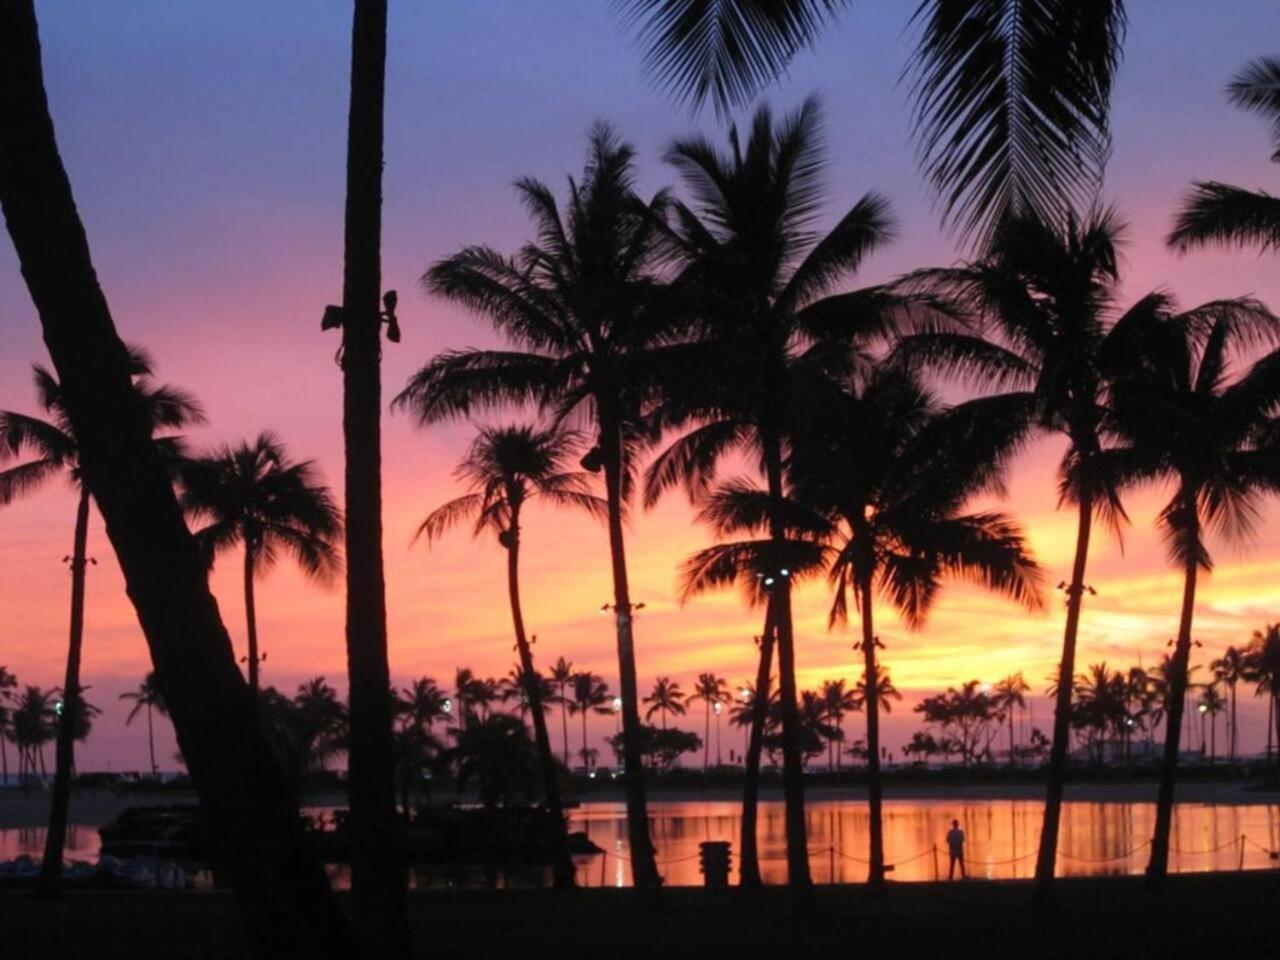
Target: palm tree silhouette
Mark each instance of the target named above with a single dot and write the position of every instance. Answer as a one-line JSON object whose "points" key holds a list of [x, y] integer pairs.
{"points": [[711, 690], [837, 701], [562, 675], [1185, 421], [762, 285], [1043, 300], [52, 451], [578, 306], [8, 682], [284, 895], [1229, 669], [590, 695], [881, 479], [1011, 99], [255, 496], [666, 698], [1264, 673], [1010, 694], [33, 726], [1219, 213], [147, 697], [506, 468]]}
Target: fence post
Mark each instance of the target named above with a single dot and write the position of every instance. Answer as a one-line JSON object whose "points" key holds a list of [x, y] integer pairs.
{"points": [[1241, 867], [936, 876], [831, 857]]}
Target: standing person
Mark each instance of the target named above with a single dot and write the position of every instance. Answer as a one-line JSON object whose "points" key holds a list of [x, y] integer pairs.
{"points": [[955, 845]]}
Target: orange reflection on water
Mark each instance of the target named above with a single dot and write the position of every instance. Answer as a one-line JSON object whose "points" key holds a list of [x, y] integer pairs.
{"points": [[1001, 838]]}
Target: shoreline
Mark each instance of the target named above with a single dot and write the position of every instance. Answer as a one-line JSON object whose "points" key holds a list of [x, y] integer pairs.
{"points": [[100, 806]]}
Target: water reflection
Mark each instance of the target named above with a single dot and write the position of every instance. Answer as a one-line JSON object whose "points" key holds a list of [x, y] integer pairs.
{"points": [[1096, 839]]}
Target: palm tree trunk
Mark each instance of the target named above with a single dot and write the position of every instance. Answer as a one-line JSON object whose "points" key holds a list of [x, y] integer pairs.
{"points": [[251, 616], [283, 893], [1057, 774], [564, 727], [377, 869], [875, 800], [64, 756], [1158, 866], [749, 861], [151, 745], [562, 865], [4, 760], [798, 876], [1234, 721], [644, 867], [706, 747], [584, 737]]}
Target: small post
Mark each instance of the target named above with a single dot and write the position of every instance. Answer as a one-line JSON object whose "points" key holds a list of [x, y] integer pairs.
{"points": [[1241, 867], [831, 859], [714, 855], [936, 876]]}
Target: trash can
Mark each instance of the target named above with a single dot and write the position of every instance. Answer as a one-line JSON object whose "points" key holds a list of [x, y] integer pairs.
{"points": [[714, 855]]}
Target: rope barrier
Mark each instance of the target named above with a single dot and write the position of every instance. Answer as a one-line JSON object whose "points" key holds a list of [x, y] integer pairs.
{"points": [[1123, 856], [1193, 853]]}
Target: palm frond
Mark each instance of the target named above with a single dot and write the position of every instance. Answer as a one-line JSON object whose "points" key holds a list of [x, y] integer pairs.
{"points": [[691, 460], [1220, 213], [725, 51], [448, 515], [457, 382], [17, 482], [1011, 105], [866, 227], [1257, 88]]}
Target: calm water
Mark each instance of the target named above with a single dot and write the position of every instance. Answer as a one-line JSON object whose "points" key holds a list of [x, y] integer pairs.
{"points": [[1097, 838]]}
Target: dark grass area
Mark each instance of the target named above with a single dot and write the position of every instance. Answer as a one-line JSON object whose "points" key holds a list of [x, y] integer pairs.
{"points": [[1194, 916]]}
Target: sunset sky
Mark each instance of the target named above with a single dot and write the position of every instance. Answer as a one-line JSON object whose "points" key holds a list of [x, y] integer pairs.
{"points": [[205, 144]]}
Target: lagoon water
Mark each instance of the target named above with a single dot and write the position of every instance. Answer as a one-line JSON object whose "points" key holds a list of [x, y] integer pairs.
{"points": [[1097, 838]]}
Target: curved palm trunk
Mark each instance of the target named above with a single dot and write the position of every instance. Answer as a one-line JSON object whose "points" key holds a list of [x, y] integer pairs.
{"points": [[644, 867], [875, 798], [251, 616], [749, 861], [377, 868], [798, 876], [1158, 866], [562, 867], [282, 891], [64, 756], [1047, 857]]}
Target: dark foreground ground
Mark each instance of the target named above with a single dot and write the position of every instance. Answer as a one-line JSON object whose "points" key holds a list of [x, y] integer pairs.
{"points": [[1207, 916]]}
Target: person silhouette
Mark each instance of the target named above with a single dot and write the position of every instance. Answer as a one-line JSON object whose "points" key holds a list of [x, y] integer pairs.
{"points": [[955, 846]]}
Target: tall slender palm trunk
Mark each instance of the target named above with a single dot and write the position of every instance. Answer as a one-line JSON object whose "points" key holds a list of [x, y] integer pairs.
{"points": [[564, 727], [798, 877], [875, 789], [644, 867], [749, 860], [562, 865], [706, 746], [1046, 858], [1234, 723], [1158, 865], [377, 868], [64, 756], [151, 745], [251, 617], [282, 891]]}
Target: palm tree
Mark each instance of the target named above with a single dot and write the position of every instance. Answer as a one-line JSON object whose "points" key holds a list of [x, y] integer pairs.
{"points": [[838, 701], [1264, 673], [1219, 213], [881, 478], [762, 285], [34, 725], [8, 682], [149, 698], [506, 468], [1011, 98], [1212, 703], [256, 496], [1185, 421], [579, 308], [1010, 694], [713, 691], [590, 695], [284, 896], [53, 451], [666, 698], [1045, 299], [562, 677], [418, 707], [1229, 669]]}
